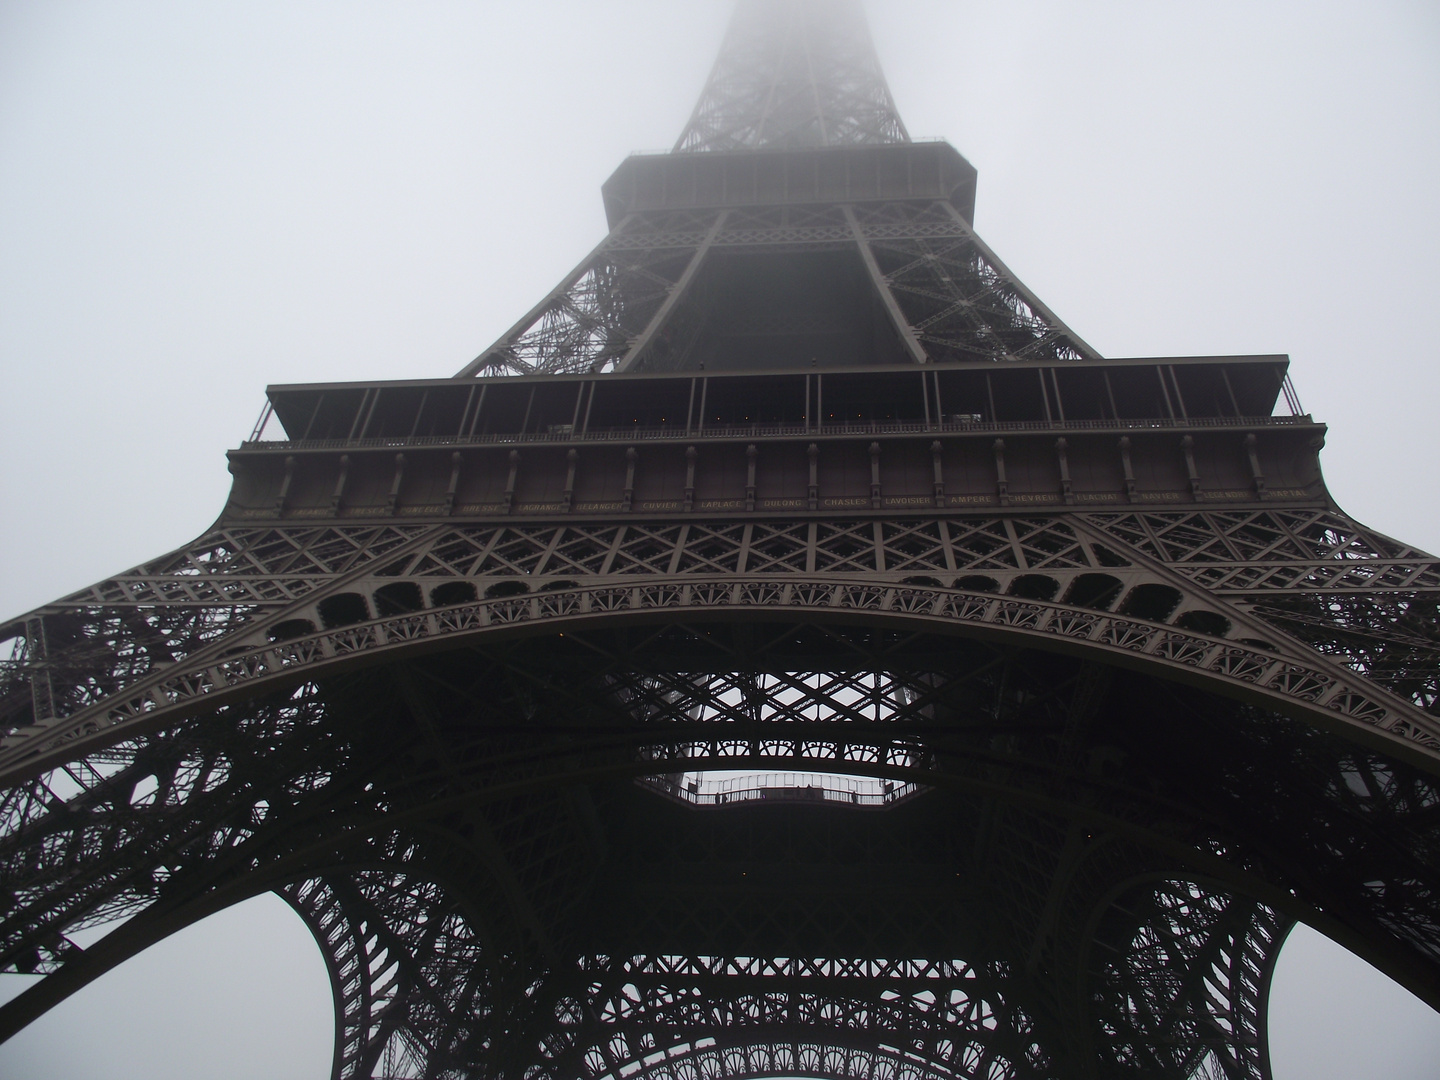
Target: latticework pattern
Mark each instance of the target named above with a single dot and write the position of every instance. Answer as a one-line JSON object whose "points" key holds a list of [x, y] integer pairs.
{"points": [[794, 73]]}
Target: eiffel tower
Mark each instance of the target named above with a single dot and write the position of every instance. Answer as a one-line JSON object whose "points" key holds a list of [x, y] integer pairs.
{"points": [[789, 651]]}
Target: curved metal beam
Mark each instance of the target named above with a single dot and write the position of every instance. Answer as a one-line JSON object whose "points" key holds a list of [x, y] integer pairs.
{"points": [[1316, 691]]}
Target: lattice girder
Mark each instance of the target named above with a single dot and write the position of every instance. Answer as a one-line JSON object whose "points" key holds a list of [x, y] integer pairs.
{"points": [[939, 750], [1091, 760], [793, 74], [1292, 676], [641, 299]]}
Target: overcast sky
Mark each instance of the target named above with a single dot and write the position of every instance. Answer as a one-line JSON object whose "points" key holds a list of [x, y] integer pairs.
{"points": [[199, 198]]}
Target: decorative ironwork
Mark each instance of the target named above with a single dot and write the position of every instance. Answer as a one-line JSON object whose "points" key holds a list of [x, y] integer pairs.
{"points": [[929, 734]]}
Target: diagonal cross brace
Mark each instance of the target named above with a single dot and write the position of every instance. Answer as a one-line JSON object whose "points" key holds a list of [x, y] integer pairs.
{"points": [[882, 289], [677, 292]]}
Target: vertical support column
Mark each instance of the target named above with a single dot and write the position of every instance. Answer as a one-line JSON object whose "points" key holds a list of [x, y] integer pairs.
{"points": [[938, 466], [285, 485], [875, 500], [813, 492], [394, 500], [456, 460], [510, 480], [631, 457], [690, 456], [750, 455], [1002, 486], [1187, 447], [1062, 453], [1256, 476], [339, 493], [1128, 466], [572, 459]]}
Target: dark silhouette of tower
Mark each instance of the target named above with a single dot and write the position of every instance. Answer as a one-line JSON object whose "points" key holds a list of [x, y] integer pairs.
{"points": [[788, 651]]}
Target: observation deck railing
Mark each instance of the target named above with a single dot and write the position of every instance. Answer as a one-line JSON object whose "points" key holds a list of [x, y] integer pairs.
{"points": [[565, 434], [812, 788]]}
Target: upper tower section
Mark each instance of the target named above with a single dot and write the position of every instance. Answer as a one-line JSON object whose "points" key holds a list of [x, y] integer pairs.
{"points": [[794, 225], [794, 74]]}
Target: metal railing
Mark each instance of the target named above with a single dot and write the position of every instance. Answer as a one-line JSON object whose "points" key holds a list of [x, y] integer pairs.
{"points": [[812, 788], [765, 431]]}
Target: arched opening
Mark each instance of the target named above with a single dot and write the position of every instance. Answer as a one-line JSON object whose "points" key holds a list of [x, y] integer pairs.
{"points": [[1034, 587], [1151, 601], [398, 598], [346, 609], [977, 583], [502, 589], [451, 593], [1204, 622], [291, 629], [1093, 590]]}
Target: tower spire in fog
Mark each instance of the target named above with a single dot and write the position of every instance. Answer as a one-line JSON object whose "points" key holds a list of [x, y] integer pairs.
{"points": [[794, 73]]}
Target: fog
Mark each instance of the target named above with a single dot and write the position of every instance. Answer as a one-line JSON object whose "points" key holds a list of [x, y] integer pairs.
{"points": [[199, 198]]}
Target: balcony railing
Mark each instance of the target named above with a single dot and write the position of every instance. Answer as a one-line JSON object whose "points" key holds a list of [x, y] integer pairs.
{"points": [[812, 788], [563, 433]]}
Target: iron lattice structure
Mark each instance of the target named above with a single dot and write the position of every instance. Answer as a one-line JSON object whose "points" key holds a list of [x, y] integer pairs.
{"points": [[789, 651]]}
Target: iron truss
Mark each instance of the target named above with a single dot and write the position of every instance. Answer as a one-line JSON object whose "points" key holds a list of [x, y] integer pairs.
{"points": [[149, 718], [794, 74], [1305, 602], [465, 835], [1112, 753], [639, 301]]}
